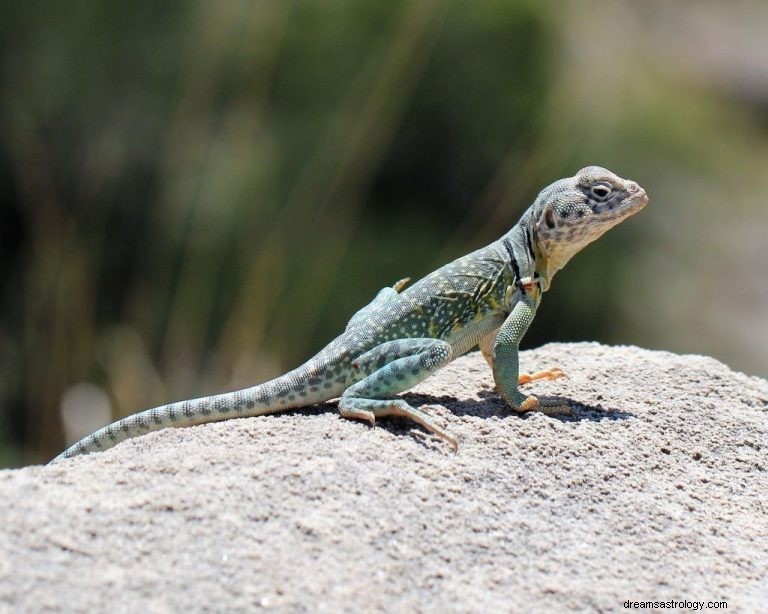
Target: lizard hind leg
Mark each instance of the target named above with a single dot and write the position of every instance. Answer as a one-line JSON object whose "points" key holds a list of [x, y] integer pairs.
{"points": [[393, 367]]}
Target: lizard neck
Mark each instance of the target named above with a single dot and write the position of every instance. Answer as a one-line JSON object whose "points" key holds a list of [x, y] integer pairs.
{"points": [[518, 245], [546, 266], [530, 257], [550, 261], [547, 262]]}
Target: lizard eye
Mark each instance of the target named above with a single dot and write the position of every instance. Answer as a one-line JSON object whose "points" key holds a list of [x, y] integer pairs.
{"points": [[600, 191]]}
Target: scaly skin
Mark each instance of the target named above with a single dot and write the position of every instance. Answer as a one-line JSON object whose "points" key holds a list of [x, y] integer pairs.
{"points": [[403, 336]]}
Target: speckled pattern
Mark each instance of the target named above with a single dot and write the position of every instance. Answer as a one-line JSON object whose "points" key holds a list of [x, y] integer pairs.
{"points": [[405, 334], [655, 490]]}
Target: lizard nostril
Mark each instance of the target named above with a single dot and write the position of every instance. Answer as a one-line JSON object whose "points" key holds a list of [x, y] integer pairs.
{"points": [[632, 186]]}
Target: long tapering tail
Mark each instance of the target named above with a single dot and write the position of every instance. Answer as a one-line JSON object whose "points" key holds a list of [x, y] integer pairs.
{"points": [[306, 385]]}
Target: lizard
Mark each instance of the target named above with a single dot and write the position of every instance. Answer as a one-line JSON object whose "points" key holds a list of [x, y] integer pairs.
{"points": [[487, 298]]}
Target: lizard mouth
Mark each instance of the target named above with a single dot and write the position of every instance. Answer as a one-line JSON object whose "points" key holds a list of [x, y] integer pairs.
{"points": [[635, 201]]}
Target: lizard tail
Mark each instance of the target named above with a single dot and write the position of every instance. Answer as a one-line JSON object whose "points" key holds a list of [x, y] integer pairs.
{"points": [[298, 388]]}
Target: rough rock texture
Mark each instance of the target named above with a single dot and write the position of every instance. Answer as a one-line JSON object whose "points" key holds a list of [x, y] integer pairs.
{"points": [[656, 489]]}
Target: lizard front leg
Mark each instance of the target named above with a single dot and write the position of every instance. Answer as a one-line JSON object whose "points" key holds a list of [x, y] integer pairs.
{"points": [[506, 363], [486, 345]]}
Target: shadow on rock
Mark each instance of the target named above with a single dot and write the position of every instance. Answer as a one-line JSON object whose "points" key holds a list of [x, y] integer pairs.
{"points": [[492, 405]]}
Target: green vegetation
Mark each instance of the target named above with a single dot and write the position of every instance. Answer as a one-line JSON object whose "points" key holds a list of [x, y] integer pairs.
{"points": [[196, 195]]}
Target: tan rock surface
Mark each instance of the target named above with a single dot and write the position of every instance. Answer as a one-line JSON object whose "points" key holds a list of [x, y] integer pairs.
{"points": [[657, 489]]}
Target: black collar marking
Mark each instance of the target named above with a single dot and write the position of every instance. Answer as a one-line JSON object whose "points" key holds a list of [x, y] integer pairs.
{"points": [[529, 244], [513, 261]]}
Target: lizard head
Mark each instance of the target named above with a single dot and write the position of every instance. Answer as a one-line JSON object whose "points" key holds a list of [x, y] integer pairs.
{"points": [[573, 212]]}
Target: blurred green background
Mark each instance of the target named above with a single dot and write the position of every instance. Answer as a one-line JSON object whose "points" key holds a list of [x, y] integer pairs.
{"points": [[196, 195]]}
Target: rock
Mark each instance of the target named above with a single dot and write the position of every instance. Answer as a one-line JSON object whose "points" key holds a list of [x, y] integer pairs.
{"points": [[655, 489]]}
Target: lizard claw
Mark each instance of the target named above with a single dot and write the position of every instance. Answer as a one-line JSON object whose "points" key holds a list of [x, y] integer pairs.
{"points": [[449, 439], [530, 404], [438, 431]]}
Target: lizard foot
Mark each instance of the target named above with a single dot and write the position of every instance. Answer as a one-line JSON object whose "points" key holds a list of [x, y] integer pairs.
{"points": [[547, 374], [358, 414], [421, 418], [548, 408], [397, 407]]}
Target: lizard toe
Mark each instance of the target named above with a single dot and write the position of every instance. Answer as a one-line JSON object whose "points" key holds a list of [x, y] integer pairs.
{"points": [[547, 374]]}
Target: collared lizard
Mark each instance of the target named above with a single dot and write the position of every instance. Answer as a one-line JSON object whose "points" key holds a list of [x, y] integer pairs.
{"points": [[487, 298]]}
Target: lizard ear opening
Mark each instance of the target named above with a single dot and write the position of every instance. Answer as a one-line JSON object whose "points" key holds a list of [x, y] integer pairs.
{"points": [[547, 217]]}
